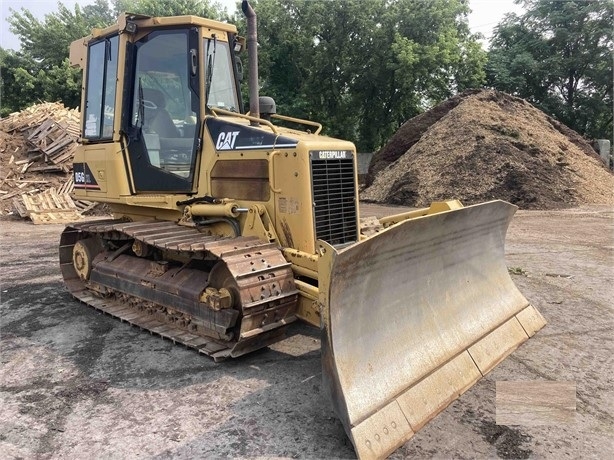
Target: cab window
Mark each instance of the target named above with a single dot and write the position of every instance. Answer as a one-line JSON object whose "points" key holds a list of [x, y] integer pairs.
{"points": [[221, 88], [100, 89]]}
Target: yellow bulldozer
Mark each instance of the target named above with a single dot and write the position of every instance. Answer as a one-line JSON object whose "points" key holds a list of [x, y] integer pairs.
{"points": [[229, 225]]}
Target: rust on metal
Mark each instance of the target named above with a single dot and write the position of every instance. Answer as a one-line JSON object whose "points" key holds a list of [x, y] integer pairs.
{"points": [[222, 296]]}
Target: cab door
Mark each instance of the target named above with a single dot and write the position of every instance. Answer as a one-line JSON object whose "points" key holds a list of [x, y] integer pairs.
{"points": [[161, 118]]}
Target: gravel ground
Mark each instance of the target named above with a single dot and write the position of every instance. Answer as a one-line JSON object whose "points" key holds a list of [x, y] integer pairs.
{"points": [[77, 384]]}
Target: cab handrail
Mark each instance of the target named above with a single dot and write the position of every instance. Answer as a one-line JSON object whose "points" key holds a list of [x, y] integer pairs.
{"points": [[216, 110]]}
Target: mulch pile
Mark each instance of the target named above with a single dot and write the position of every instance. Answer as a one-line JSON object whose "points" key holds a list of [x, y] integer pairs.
{"points": [[482, 145]]}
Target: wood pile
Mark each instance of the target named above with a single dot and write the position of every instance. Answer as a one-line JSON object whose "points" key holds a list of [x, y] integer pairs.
{"points": [[51, 132], [37, 146]]}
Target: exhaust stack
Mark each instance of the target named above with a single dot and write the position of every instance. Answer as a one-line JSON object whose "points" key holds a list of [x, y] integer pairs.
{"points": [[252, 56]]}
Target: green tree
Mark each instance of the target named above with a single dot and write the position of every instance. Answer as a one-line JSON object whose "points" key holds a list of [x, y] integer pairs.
{"points": [[558, 55], [362, 67], [16, 82], [40, 70], [202, 8], [24, 82], [47, 41]]}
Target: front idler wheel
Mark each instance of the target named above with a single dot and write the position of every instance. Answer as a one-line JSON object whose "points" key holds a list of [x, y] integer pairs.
{"points": [[83, 255]]}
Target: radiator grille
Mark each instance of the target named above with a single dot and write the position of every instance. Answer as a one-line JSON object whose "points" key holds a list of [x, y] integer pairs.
{"points": [[334, 197]]}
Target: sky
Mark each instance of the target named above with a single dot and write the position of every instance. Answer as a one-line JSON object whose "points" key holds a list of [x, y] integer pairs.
{"points": [[486, 14]]}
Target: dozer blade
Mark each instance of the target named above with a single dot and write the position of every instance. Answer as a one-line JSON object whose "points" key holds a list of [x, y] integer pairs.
{"points": [[413, 317]]}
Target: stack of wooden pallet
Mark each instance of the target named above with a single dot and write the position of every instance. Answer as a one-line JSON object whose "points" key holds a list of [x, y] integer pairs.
{"points": [[52, 206], [36, 151], [51, 131]]}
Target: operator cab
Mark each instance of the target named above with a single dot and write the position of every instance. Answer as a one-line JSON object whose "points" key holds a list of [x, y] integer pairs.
{"points": [[167, 74]]}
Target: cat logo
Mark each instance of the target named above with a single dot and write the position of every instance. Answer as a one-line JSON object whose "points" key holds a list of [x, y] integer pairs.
{"points": [[226, 140]]}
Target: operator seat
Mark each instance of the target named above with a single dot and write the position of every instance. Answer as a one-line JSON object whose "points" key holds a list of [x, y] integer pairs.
{"points": [[157, 119]]}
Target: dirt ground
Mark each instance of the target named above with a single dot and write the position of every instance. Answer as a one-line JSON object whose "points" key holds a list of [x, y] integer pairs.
{"points": [[75, 383]]}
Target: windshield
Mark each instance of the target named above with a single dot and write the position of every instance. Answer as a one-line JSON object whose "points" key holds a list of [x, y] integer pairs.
{"points": [[221, 88]]}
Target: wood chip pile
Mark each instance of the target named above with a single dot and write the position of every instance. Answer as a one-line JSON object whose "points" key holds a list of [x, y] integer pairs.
{"points": [[36, 151], [484, 145]]}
